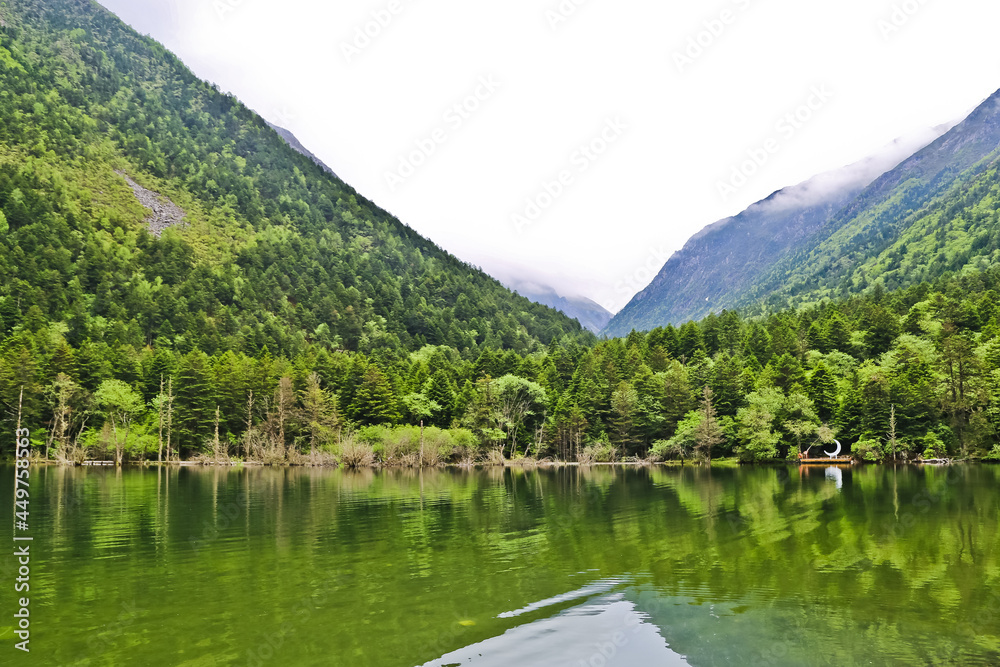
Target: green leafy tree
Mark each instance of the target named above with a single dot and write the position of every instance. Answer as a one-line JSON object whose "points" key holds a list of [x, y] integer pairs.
{"points": [[799, 420], [756, 425], [519, 404], [121, 405], [419, 408]]}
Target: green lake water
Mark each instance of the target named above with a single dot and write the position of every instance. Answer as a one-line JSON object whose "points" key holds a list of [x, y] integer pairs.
{"points": [[576, 567]]}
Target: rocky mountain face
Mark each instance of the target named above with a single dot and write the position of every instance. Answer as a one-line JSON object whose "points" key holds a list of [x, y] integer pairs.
{"points": [[723, 262]]}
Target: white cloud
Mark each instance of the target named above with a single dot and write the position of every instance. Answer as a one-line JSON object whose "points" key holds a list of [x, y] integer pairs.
{"points": [[819, 188]]}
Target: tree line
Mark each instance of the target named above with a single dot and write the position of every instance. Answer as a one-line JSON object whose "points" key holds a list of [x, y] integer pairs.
{"points": [[914, 373]]}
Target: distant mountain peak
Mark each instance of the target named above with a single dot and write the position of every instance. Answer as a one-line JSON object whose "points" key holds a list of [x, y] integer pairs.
{"points": [[590, 314], [296, 145]]}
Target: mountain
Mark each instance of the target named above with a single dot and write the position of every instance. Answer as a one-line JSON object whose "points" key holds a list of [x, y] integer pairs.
{"points": [[293, 141], [935, 214], [140, 206], [590, 314], [720, 264]]}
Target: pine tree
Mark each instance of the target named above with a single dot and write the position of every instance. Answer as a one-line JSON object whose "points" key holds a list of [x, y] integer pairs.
{"points": [[319, 413], [624, 403], [438, 389], [195, 402], [786, 372], [823, 392], [375, 402], [816, 338], [691, 341]]}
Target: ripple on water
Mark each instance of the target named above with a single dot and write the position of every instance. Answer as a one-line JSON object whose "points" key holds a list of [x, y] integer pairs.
{"points": [[606, 629]]}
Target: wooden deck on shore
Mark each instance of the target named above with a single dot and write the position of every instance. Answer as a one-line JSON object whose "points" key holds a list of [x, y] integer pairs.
{"points": [[840, 460]]}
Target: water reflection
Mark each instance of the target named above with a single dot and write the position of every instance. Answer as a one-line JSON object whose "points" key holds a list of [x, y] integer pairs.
{"points": [[527, 567], [837, 475]]}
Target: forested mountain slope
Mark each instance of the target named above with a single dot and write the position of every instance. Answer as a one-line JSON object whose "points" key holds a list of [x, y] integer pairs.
{"points": [[280, 317], [274, 252]]}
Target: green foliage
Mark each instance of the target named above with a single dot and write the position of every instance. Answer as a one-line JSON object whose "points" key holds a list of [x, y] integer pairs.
{"points": [[933, 445], [870, 450], [757, 426], [682, 445], [631, 395], [599, 452], [628, 394], [517, 405], [116, 398], [419, 408], [402, 444], [375, 401]]}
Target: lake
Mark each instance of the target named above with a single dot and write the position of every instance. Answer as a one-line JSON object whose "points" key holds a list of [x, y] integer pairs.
{"points": [[572, 566]]}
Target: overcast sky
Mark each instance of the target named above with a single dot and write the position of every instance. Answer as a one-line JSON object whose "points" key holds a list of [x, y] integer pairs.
{"points": [[619, 120]]}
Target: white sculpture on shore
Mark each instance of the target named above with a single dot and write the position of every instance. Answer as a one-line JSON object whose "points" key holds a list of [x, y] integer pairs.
{"points": [[836, 453]]}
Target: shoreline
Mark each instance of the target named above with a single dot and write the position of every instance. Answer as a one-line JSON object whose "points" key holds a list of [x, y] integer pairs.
{"points": [[518, 463]]}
